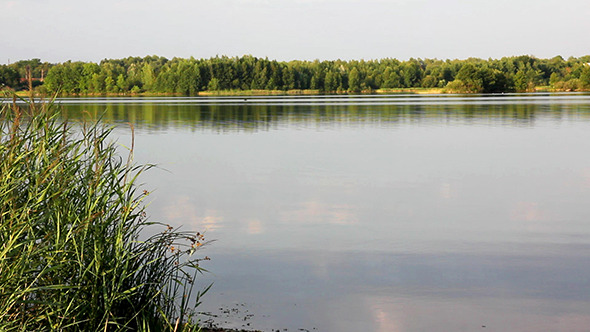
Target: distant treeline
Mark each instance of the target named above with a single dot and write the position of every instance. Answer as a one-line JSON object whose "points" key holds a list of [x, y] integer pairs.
{"points": [[154, 74]]}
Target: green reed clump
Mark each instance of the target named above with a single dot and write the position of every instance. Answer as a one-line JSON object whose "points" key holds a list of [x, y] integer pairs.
{"points": [[74, 250]]}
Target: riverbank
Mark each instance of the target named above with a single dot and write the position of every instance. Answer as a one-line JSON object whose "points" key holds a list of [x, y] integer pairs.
{"points": [[318, 92], [241, 93], [231, 93]]}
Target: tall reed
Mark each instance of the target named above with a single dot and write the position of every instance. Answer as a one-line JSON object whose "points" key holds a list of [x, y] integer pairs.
{"points": [[74, 250]]}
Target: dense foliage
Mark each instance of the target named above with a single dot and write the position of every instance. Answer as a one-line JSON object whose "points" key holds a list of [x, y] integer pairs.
{"points": [[155, 74], [74, 252], [15, 75]]}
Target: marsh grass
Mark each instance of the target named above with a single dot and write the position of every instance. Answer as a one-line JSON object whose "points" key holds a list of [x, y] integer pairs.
{"points": [[74, 250]]}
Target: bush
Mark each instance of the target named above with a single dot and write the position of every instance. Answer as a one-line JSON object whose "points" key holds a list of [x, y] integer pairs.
{"points": [[74, 250], [456, 86]]}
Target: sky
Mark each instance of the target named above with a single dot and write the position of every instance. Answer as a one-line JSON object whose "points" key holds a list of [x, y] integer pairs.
{"points": [[80, 30]]}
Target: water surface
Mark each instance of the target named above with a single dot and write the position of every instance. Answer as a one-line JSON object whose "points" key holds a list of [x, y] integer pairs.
{"points": [[375, 213]]}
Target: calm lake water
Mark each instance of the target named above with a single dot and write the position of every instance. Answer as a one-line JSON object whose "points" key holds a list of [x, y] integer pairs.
{"points": [[375, 213]]}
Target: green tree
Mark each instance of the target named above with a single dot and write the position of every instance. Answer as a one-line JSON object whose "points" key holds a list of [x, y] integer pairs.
{"points": [[189, 81], [188, 76], [110, 84], [470, 76], [332, 81], [65, 77], [97, 83], [391, 79], [213, 84], [412, 74], [148, 76], [429, 81], [88, 70], [585, 77], [289, 78], [317, 79], [122, 83], [9, 77], [554, 78], [260, 76], [354, 80]]}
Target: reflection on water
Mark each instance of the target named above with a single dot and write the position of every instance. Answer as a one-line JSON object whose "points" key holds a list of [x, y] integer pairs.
{"points": [[164, 114], [388, 213], [334, 291]]}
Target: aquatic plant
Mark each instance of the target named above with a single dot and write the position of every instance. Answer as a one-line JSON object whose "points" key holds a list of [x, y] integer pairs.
{"points": [[77, 251]]}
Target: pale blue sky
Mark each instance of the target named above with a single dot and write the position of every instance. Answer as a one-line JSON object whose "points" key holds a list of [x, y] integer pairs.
{"points": [[59, 30]]}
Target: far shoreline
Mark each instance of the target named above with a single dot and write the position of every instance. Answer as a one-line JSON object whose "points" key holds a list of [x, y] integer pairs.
{"points": [[241, 93]]}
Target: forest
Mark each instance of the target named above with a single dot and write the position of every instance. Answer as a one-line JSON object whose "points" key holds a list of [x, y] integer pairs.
{"points": [[159, 75]]}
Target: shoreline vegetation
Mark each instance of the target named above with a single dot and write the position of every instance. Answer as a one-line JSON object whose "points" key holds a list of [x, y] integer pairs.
{"points": [[260, 93], [252, 93], [251, 76], [77, 251], [238, 93]]}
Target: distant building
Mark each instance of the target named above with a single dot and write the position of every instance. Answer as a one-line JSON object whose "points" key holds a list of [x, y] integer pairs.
{"points": [[34, 79]]}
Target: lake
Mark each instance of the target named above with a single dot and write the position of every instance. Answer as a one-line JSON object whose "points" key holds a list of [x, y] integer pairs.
{"points": [[375, 213]]}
